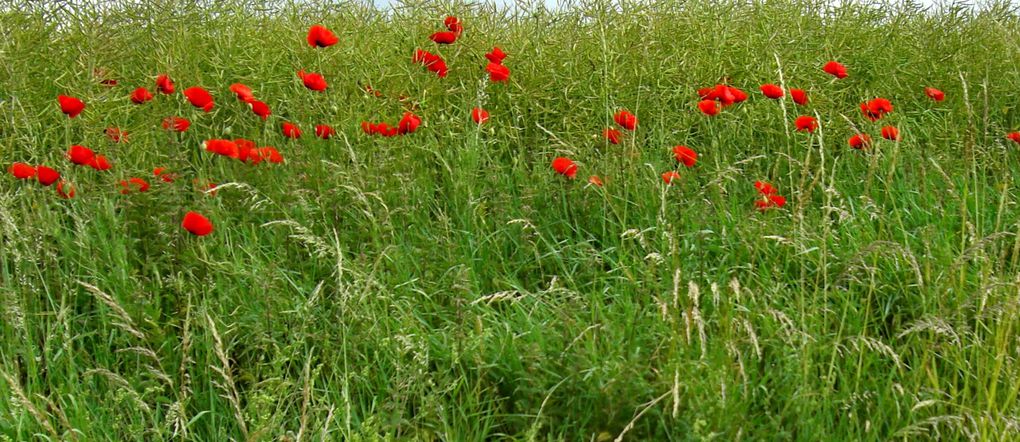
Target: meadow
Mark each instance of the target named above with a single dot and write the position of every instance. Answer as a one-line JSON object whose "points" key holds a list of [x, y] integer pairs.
{"points": [[446, 279]]}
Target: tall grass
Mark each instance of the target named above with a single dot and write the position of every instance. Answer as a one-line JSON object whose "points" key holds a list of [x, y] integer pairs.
{"points": [[447, 285]]}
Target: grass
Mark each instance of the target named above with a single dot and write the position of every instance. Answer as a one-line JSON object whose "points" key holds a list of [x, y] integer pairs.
{"points": [[447, 285]]}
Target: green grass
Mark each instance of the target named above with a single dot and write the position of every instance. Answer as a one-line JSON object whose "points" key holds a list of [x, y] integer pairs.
{"points": [[447, 285]]}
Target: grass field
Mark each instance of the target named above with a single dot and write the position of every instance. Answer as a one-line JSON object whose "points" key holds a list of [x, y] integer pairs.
{"points": [[449, 284]]}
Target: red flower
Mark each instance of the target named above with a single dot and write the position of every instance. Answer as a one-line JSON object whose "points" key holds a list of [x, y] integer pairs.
{"points": [[835, 69], [454, 25], [99, 162], [46, 175], [408, 124], [65, 190], [259, 108], [891, 133], [243, 92], [164, 85], [799, 96], [670, 177], [312, 80], [595, 180], [176, 123], [770, 202], [270, 154], [245, 149], [138, 184], [70, 106], [108, 82], [324, 131], [116, 135], [1014, 136], [612, 135], [161, 173], [496, 55], [565, 167], [222, 147], [199, 98], [80, 155], [197, 224], [772, 91], [876, 108], [22, 171], [685, 155], [625, 119], [859, 141], [290, 130], [431, 61], [709, 107], [479, 115], [322, 37], [764, 188], [443, 37], [141, 95], [934, 94], [497, 72], [726, 95], [806, 123]]}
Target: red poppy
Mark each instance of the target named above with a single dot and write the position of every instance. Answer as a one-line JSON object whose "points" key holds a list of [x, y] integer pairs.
{"points": [[116, 134], [70, 106], [443, 37], [891, 133], [454, 25], [876, 108], [479, 115], [772, 91], [565, 167], [176, 123], [431, 61], [1014, 136], [725, 95], [259, 108], [709, 107], [612, 135], [685, 155], [245, 149], [497, 72], [270, 154], [670, 177], [595, 180], [764, 188], [46, 175], [164, 85], [141, 95], [65, 190], [312, 80], [408, 124], [799, 96], [324, 131], [22, 171], [197, 224], [136, 184], [625, 119], [80, 155], [859, 141], [222, 147], [805, 123], [934, 94], [161, 173], [322, 37], [99, 162], [769, 202], [835, 69], [290, 130], [199, 98], [496, 55], [243, 92]]}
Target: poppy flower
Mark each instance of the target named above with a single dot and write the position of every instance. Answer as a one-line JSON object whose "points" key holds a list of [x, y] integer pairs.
{"points": [[454, 25], [137, 184], [670, 177], [770, 201], [22, 171], [772, 91], [222, 147], [479, 115], [1014, 136], [312, 80], [625, 119], [496, 55], [80, 155], [934, 94], [432, 62], [116, 134], [725, 95], [876, 109], [46, 175], [99, 162], [259, 108], [443, 37], [244, 149], [595, 180], [891, 133], [178, 124], [835, 69], [374, 128], [290, 130], [764, 188], [859, 141], [799, 96], [612, 135], [565, 167], [164, 85], [199, 98], [408, 124], [497, 72], [161, 173], [805, 123], [141, 95], [685, 155], [65, 190], [70, 106], [709, 107], [320, 36], [324, 131], [197, 224], [243, 92], [270, 154]]}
